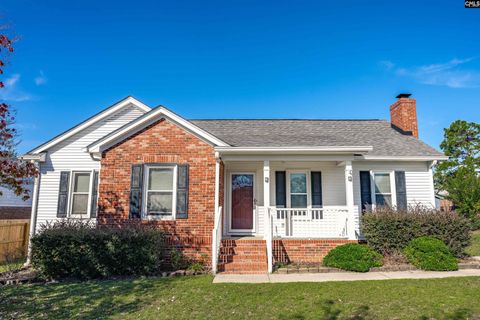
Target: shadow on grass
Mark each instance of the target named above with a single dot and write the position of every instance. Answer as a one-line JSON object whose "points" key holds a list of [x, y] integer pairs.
{"points": [[332, 312], [82, 300]]}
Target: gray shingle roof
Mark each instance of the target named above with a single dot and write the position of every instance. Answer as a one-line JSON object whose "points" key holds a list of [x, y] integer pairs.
{"points": [[379, 134]]}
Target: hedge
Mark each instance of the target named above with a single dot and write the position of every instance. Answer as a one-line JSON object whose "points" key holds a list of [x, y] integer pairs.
{"points": [[430, 253], [353, 257], [77, 249], [387, 230]]}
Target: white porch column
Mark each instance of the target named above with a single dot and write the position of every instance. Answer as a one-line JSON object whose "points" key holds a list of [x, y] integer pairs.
{"points": [[266, 183], [217, 181], [267, 219], [349, 200]]}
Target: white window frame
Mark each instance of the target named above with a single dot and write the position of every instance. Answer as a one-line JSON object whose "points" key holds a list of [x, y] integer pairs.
{"points": [[145, 215], [393, 190], [309, 191], [71, 193]]}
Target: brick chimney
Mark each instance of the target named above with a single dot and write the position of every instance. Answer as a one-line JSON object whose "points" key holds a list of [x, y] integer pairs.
{"points": [[403, 115]]}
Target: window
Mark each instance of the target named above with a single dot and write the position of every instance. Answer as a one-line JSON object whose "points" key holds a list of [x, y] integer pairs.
{"points": [[80, 194], [383, 189], [298, 190], [160, 191]]}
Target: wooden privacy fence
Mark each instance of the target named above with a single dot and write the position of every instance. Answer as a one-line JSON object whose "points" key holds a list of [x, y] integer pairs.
{"points": [[13, 239]]}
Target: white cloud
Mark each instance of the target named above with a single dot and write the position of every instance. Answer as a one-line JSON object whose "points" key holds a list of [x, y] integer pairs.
{"points": [[40, 79], [450, 74], [387, 64], [11, 92]]}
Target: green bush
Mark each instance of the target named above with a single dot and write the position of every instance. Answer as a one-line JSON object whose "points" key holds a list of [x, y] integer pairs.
{"points": [[387, 230], [77, 249], [353, 257], [430, 253]]}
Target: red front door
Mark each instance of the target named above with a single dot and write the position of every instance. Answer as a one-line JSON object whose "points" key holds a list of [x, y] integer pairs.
{"points": [[242, 201]]}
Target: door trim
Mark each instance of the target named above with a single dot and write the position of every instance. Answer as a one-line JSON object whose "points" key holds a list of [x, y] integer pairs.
{"points": [[254, 211]]}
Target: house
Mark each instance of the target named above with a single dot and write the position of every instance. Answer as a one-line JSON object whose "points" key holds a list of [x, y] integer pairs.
{"points": [[13, 206], [241, 193]]}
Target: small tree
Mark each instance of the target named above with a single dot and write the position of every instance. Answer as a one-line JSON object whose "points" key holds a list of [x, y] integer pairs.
{"points": [[460, 175], [13, 171]]}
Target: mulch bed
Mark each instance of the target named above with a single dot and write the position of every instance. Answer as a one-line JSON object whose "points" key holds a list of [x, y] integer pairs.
{"points": [[28, 275]]}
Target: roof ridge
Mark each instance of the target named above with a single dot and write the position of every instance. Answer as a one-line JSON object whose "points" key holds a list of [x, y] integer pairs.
{"points": [[283, 119]]}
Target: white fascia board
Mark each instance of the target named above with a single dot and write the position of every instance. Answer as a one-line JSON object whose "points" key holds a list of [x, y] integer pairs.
{"points": [[159, 113], [402, 158], [295, 150], [39, 157], [103, 114]]}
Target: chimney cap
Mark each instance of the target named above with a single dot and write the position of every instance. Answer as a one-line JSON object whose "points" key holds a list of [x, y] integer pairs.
{"points": [[403, 95]]}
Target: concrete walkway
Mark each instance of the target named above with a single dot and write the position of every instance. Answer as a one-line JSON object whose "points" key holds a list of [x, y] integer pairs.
{"points": [[341, 276]]}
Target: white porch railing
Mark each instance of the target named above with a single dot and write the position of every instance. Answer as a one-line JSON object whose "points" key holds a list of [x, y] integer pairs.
{"points": [[216, 238], [269, 238], [326, 222]]}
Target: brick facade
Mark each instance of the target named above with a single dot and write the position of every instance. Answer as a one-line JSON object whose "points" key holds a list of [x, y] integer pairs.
{"points": [[163, 142], [304, 250], [403, 116]]}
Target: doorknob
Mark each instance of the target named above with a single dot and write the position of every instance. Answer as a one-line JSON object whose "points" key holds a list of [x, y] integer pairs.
{"points": [[255, 201]]}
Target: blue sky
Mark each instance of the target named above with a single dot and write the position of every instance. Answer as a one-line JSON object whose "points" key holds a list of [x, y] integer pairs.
{"points": [[247, 59]]}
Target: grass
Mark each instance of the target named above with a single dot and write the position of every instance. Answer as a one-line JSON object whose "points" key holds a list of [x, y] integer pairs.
{"points": [[197, 298], [474, 248], [11, 266]]}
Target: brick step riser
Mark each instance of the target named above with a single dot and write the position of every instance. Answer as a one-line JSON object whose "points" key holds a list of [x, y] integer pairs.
{"points": [[241, 268]]}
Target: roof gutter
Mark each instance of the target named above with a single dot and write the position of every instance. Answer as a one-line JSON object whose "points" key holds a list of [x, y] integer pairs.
{"points": [[402, 158], [295, 150], [39, 157]]}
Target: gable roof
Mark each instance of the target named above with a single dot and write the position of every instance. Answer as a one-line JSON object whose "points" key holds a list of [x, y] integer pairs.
{"points": [[271, 133], [147, 119], [129, 100]]}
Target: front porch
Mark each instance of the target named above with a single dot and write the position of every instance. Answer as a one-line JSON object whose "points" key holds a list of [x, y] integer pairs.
{"points": [[293, 207]]}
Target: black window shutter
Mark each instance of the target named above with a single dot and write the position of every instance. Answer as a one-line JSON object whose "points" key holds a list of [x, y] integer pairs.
{"points": [[93, 207], [136, 185], [316, 177], [401, 189], [63, 194], [365, 189], [182, 191], [280, 189]]}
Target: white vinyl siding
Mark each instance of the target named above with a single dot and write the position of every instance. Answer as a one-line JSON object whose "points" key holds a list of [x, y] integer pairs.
{"points": [[418, 176], [418, 179], [68, 155], [10, 199]]}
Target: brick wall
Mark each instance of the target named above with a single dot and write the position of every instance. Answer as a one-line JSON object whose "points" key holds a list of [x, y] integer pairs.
{"points": [[403, 115], [160, 142], [304, 250]]}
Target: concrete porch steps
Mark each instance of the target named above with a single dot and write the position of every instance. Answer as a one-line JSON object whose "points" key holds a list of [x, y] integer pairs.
{"points": [[243, 256]]}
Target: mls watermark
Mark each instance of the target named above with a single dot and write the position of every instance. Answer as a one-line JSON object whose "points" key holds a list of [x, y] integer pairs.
{"points": [[472, 4]]}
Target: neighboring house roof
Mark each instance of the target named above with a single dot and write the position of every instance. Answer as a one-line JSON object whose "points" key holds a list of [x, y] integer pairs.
{"points": [[88, 122], [379, 134]]}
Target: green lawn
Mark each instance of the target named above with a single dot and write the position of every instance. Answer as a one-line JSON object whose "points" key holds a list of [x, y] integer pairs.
{"points": [[474, 248], [197, 298]]}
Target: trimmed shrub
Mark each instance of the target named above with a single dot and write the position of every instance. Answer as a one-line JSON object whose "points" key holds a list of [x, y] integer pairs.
{"points": [[353, 257], [429, 253], [77, 249], [387, 230]]}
